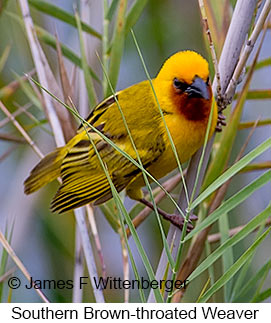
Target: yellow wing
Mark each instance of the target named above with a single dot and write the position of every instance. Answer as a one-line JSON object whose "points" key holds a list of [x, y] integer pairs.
{"points": [[83, 178]]}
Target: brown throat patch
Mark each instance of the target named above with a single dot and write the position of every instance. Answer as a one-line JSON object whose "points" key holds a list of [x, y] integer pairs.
{"points": [[195, 109]]}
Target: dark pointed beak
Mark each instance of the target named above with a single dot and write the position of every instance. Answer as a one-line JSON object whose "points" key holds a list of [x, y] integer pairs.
{"points": [[198, 89]]}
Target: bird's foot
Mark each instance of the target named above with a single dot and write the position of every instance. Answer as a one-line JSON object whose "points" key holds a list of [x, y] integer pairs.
{"points": [[220, 122], [178, 221], [175, 219]]}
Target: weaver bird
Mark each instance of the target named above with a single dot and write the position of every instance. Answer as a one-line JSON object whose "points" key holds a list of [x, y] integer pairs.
{"points": [[184, 94]]}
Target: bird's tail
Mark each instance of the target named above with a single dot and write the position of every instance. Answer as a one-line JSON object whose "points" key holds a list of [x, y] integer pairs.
{"points": [[45, 171]]}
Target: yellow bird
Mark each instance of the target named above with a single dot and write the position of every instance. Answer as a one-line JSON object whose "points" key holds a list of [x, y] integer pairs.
{"points": [[185, 96]]}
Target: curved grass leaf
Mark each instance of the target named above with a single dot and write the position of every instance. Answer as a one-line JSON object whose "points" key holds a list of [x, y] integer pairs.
{"points": [[257, 95], [263, 296], [231, 203], [247, 229], [141, 293], [261, 64], [4, 257], [227, 257], [234, 268], [111, 10], [250, 124], [232, 171], [241, 279], [134, 13], [56, 12], [211, 270], [257, 166], [29, 92], [140, 248], [252, 281], [257, 292]]}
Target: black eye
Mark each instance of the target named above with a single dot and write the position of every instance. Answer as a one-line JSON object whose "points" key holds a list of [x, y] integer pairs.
{"points": [[179, 85]]}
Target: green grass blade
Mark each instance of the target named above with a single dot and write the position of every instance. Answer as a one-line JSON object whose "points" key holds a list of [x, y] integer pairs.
{"points": [[211, 269], [92, 97], [232, 171], [29, 92], [134, 13], [259, 95], [231, 203], [140, 248], [111, 10], [122, 210], [141, 293], [242, 276], [257, 292], [117, 47], [203, 289], [3, 265], [234, 268], [250, 124], [4, 258], [263, 296], [252, 281], [257, 166], [261, 64], [247, 229], [227, 257], [4, 57], [60, 14]]}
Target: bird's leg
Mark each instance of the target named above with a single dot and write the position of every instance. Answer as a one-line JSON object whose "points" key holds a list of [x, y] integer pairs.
{"points": [[220, 121], [175, 219]]}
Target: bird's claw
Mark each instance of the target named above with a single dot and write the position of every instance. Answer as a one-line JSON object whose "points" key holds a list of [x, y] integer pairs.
{"points": [[178, 221], [220, 122]]}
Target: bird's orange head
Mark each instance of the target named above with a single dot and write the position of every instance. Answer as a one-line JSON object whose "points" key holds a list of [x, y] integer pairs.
{"points": [[183, 86]]}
